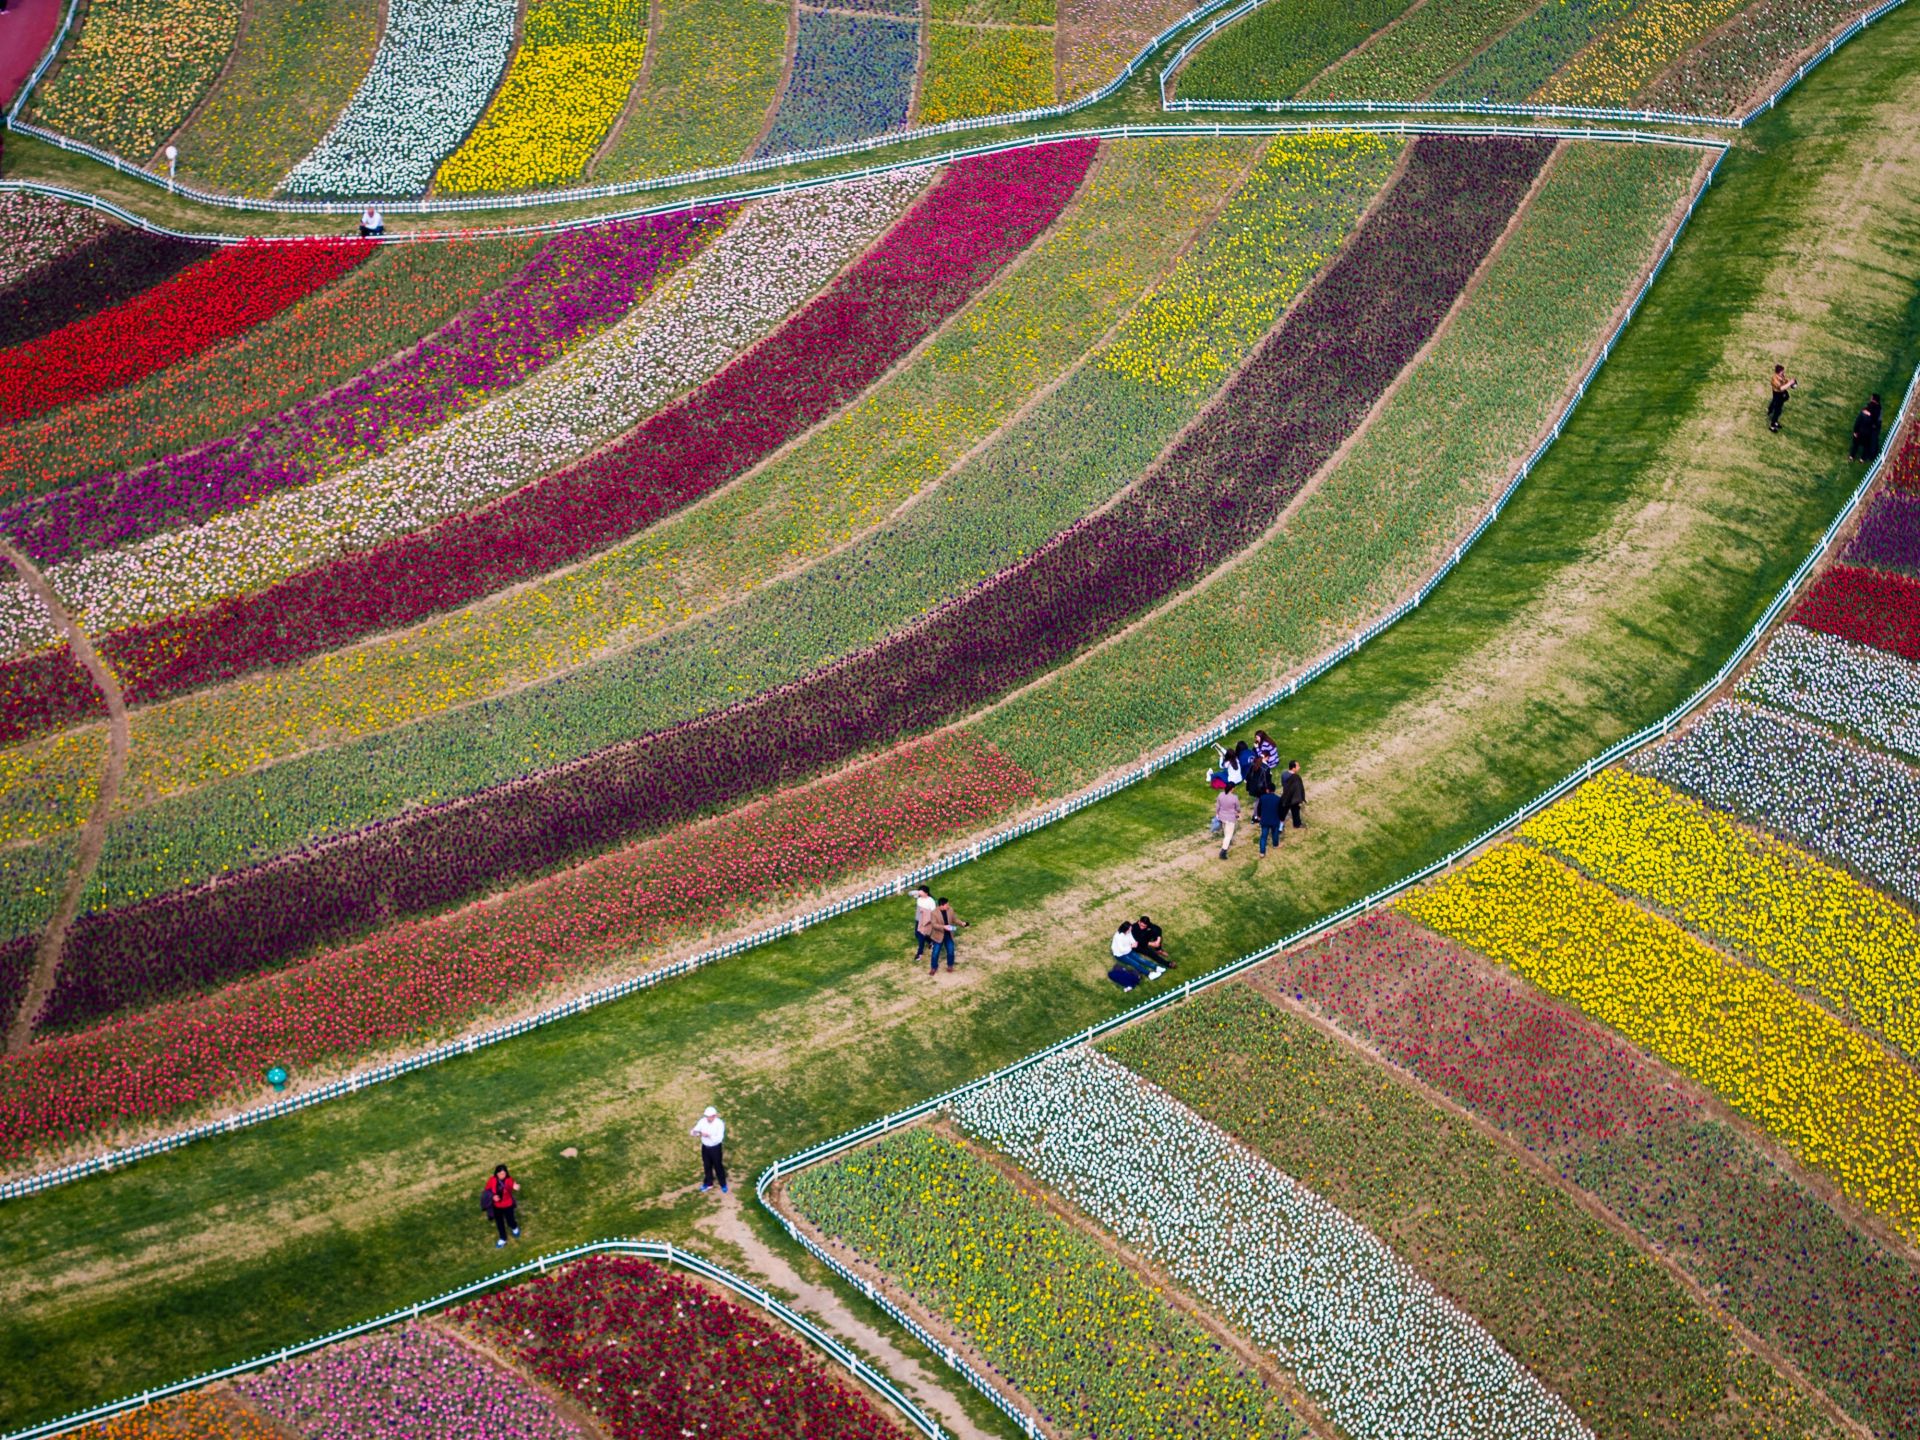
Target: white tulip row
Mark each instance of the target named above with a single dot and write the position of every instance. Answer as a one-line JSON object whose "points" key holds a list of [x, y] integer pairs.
{"points": [[1789, 776], [1856, 687], [776, 255], [1386, 1355], [435, 70]]}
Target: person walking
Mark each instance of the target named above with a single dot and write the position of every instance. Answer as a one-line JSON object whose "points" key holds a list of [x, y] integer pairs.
{"points": [[502, 1198], [1777, 400], [1267, 811], [924, 906], [1226, 814], [1293, 794], [1866, 432], [945, 923], [712, 1133]]}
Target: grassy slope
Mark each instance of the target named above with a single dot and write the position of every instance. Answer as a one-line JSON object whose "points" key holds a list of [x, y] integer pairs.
{"points": [[1616, 581]]}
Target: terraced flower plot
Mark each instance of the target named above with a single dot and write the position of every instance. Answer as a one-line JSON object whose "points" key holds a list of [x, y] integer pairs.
{"points": [[488, 695]]}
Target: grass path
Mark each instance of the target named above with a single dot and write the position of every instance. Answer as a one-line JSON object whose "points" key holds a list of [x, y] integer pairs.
{"points": [[1623, 571]]}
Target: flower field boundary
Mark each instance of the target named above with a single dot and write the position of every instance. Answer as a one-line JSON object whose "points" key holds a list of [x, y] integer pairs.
{"points": [[1488, 108], [113, 1159], [661, 1251], [826, 1150]]}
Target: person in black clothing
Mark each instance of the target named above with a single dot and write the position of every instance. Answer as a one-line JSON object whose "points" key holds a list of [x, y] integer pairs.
{"points": [[1147, 941], [1266, 809], [1866, 432], [1293, 794], [1259, 779]]}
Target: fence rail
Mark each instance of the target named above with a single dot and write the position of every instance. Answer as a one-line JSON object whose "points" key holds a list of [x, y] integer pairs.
{"points": [[874, 1129], [1489, 107], [658, 1250], [466, 1045]]}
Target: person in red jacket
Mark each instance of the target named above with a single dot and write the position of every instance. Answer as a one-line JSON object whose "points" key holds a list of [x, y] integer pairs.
{"points": [[502, 1193]]}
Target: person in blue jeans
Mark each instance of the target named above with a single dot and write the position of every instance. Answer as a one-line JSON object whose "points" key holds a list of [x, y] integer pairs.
{"points": [[945, 922], [1267, 810]]}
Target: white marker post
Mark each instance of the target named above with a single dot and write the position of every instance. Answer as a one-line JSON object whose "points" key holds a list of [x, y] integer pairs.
{"points": [[173, 154]]}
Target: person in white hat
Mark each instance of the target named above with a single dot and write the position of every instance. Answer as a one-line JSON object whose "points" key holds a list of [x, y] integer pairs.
{"points": [[712, 1131]]}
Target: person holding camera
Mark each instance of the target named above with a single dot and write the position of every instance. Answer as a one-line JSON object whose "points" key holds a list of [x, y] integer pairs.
{"points": [[1778, 400]]}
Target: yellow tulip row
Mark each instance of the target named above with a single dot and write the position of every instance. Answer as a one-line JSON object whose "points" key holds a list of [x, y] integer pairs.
{"points": [[1836, 1098], [1627, 59], [554, 107], [1812, 924]]}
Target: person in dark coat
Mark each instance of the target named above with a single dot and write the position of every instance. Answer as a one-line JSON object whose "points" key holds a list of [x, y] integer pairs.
{"points": [[1866, 432], [1293, 794], [1147, 941], [1267, 811]]}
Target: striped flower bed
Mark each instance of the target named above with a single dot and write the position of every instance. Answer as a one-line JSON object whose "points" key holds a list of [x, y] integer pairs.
{"points": [[1852, 687]]}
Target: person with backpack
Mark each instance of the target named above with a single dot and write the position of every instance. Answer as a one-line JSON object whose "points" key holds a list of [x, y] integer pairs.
{"points": [[498, 1202]]}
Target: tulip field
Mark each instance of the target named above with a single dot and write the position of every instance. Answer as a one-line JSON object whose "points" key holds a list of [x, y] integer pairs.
{"points": [[606, 1348], [488, 690]]}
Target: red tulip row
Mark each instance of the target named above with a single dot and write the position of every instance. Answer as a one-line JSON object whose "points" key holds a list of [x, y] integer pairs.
{"points": [[1610, 1120], [105, 271], [656, 1356], [418, 979], [233, 288], [980, 215], [1868, 607]]}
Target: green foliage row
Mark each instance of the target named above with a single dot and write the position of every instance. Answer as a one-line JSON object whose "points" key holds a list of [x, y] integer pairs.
{"points": [[1516, 65], [1602, 1323], [1426, 46], [1273, 52]]}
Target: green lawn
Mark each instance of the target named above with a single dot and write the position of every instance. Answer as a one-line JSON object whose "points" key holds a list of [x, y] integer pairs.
{"points": [[1618, 579]]}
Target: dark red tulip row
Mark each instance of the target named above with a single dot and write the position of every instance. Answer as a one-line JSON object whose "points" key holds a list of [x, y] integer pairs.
{"points": [[105, 271], [1610, 1120], [233, 289], [1307, 387], [1868, 607], [655, 1356], [979, 215]]}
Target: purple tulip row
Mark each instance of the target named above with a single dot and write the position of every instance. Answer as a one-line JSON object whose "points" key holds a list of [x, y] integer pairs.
{"points": [[1306, 389], [580, 282], [1889, 536]]}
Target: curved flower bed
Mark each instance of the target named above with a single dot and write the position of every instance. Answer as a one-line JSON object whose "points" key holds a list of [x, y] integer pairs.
{"points": [[985, 70], [419, 979], [580, 282], [577, 62], [655, 1356], [852, 77], [401, 1385], [234, 288], [107, 270], [765, 264], [437, 65], [1428, 44], [1381, 1351], [196, 1415], [1837, 800], [1737, 64], [1852, 687], [1093, 1349], [1836, 1098], [1218, 489], [1630, 56], [1865, 606], [1889, 535], [1815, 926], [977, 217], [134, 71], [1516, 65], [1610, 1120]]}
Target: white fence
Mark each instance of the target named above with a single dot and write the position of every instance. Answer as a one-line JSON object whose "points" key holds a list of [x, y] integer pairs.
{"points": [[173, 1140], [657, 1250], [874, 1130], [1490, 108]]}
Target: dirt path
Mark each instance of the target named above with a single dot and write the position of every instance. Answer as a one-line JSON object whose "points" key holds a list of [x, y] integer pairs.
{"points": [[727, 1225], [93, 835], [786, 79]]}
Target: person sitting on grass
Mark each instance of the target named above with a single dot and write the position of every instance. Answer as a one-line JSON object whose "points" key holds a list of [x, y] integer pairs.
{"points": [[1146, 941], [1130, 967]]}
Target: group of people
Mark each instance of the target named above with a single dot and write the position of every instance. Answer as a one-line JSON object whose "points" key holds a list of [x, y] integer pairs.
{"points": [[1275, 794], [1866, 425], [500, 1196], [1139, 953], [933, 925]]}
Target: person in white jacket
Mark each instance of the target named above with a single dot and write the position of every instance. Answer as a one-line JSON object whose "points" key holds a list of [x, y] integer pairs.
{"points": [[712, 1131]]}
